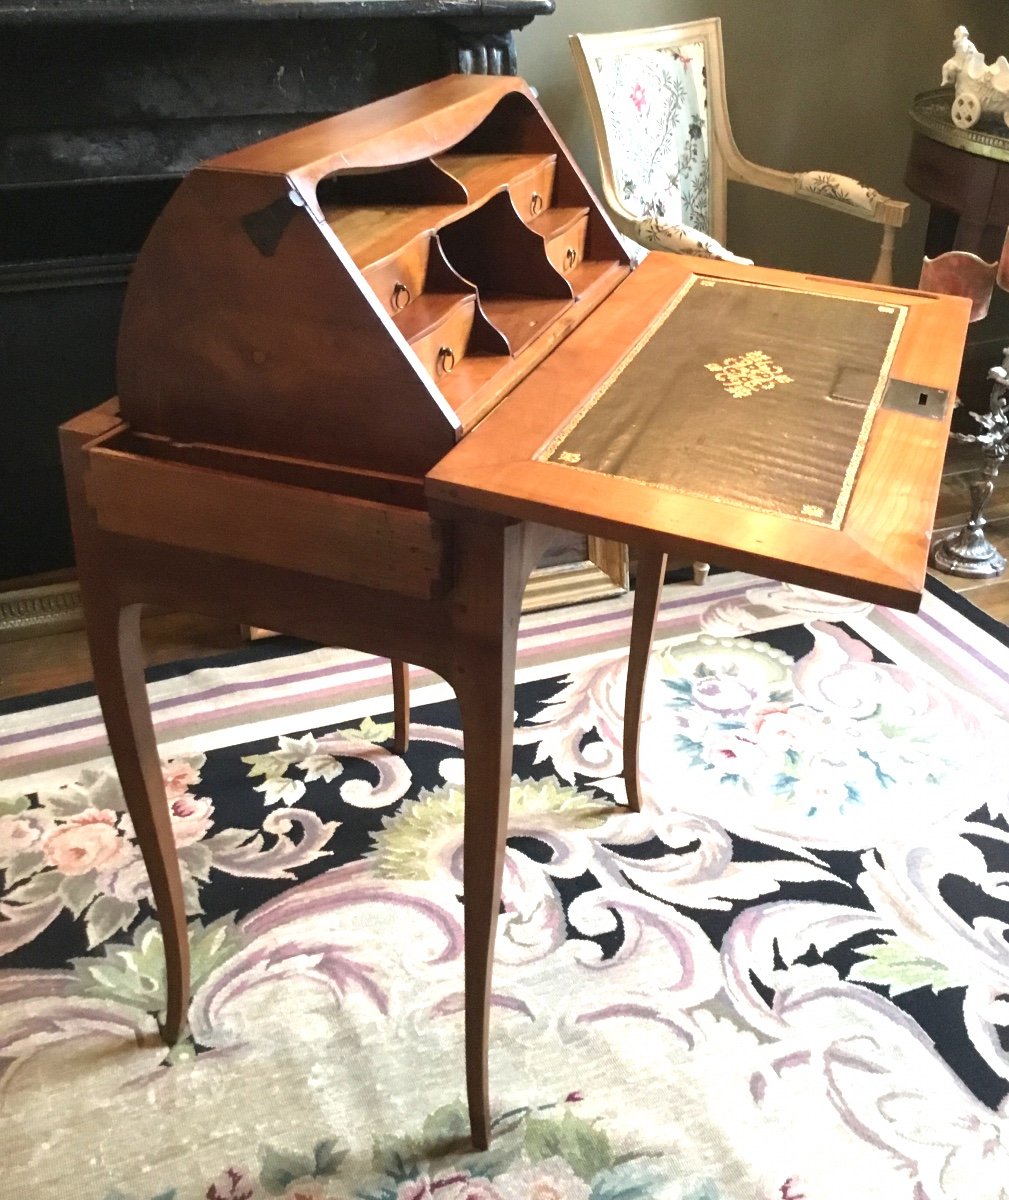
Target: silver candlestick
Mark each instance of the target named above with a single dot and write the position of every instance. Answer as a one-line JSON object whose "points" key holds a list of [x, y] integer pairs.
{"points": [[967, 551]]}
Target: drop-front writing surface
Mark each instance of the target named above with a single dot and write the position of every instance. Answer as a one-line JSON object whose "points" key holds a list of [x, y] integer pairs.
{"points": [[877, 551], [361, 292]]}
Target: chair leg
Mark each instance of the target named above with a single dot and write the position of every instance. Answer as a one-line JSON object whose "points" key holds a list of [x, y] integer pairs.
{"points": [[701, 573], [116, 655], [883, 272], [651, 573], [401, 706]]}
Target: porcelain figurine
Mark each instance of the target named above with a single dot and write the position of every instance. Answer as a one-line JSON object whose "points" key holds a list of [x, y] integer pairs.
{"points": [[978, 88]]}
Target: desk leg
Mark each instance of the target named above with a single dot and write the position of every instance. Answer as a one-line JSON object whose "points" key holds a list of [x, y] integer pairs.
{"points": [[647, 593], [113, 631], [117, 658], [493, 563], [401, 706]]}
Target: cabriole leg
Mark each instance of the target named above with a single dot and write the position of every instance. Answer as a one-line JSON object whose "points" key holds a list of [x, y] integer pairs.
{"points": [[647, 593], [116, 655]]}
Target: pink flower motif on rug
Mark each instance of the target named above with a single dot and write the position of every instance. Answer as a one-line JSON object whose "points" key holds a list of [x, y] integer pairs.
{"points": [[87, 841], [235, 1183], [456, 1185]]}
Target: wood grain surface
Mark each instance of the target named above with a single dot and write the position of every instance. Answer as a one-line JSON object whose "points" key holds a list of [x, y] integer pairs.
{"points": [[880, 552]]}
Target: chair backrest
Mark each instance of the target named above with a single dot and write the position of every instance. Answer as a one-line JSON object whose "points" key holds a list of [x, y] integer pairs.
{"points": [[657, 102]]}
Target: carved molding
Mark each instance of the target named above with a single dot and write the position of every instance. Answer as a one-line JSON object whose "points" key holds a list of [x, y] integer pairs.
{"points": [[47, 275], [481, 45], [36, 611]]}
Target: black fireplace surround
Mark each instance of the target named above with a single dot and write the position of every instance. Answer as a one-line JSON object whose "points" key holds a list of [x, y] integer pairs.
{"points": [[104, 105]]}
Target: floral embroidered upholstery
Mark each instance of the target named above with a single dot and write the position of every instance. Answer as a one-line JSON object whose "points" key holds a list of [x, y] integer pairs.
{"points": [[680, 239], [836, 191], [654, 107]]}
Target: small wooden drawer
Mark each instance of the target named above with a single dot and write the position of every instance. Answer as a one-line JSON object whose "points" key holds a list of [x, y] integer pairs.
{"points": [[565, 238], [364, 542], [438, 328], [399, 279], [531, 192]]}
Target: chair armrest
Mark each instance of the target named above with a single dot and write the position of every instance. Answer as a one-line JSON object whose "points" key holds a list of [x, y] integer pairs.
{"points": [[826, 188], [681, 239], [848, 195]]}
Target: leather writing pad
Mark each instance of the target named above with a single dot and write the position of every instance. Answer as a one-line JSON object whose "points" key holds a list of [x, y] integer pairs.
{"points": [[756, 395]]}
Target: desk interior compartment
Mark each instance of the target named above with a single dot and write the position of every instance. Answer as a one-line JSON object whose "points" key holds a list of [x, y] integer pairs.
{"points": [[271, 308], [446, 322], [529, 178], [521, 290]]}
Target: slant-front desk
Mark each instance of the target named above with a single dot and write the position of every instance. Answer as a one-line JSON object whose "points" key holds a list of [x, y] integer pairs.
{"points": [[366, 366]]}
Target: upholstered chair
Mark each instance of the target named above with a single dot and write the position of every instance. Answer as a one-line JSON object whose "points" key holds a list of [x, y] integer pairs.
{"points": [[666, 150]]}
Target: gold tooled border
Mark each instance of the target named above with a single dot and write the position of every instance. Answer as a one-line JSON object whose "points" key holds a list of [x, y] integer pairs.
{"points": [[858, 453]]}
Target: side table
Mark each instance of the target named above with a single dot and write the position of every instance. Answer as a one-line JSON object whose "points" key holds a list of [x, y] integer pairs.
{"points": [[963, 174]]}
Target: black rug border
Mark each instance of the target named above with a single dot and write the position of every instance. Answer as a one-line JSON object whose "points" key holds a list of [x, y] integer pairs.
{"points": [[282, 646], [959, 603]]}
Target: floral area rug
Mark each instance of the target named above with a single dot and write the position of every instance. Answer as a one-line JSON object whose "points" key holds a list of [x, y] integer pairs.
{"points": [[786, 979]]}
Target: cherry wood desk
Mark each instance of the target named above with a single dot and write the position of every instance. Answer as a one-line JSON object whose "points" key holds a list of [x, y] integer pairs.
{"points": [[494, 501], [425, 561]]}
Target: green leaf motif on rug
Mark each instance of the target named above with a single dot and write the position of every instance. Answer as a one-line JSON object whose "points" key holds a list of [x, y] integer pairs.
{"points": [[896, 965], [408, 845], [280, 1168], [640, 1180], [23, 865], [586, 1149], [305, 754], [445, 1131], [267, 765], [198, 858], [66, 802], [107, 916], [10, 806], [369, 731], [532, 1152], [134, 974], [77, 891], [43, 886]]}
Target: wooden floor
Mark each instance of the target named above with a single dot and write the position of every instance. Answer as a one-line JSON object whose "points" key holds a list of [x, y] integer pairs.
{"points": [[60, 659], [36, 664]]}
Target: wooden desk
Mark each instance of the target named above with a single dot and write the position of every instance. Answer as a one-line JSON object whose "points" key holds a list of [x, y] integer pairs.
{"points": [[431, 570]]}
